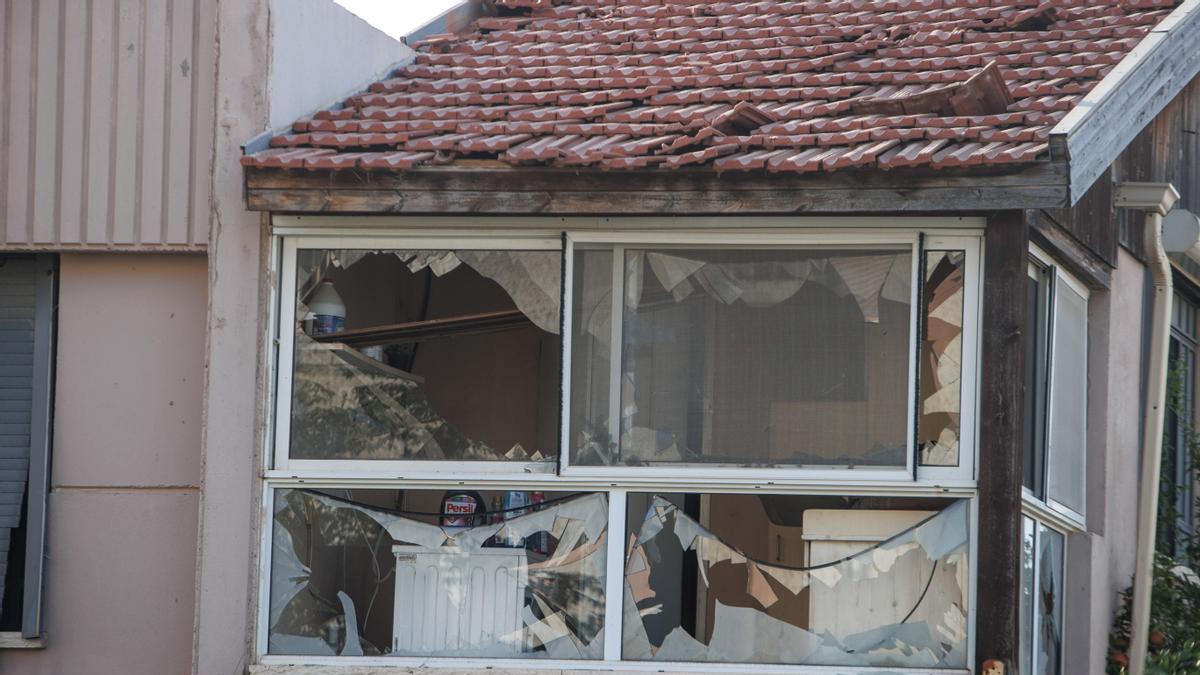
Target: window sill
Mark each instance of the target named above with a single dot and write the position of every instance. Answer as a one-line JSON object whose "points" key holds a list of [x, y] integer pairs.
{"points": [[1056, 518], [356, 666], [14, 640]]}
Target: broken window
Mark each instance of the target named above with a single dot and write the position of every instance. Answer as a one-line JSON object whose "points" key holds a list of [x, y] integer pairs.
{"points": [[941, 358], [741, 357], [426, 355], [1042, 598], [715, 365], [796, 580], [433, 573]]}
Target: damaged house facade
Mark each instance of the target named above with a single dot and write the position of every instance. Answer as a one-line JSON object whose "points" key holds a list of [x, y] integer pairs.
{"points": [[685, 336], [671, 334]]}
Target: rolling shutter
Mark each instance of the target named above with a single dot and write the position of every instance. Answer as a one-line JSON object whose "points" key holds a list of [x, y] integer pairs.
{"points": [[26, 347], [18, 309]]}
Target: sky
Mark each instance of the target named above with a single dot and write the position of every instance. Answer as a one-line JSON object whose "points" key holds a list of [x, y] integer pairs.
{"points": [[397, 17]]}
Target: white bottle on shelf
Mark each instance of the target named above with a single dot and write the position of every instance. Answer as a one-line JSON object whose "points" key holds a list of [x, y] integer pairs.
{"points": [[328, 310]]}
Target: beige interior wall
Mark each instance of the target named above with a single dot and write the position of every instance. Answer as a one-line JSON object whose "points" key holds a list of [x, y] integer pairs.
{"points": [[121, 534]]}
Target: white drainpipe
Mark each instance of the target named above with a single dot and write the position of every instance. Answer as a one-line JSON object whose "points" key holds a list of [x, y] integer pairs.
{"points": [[1156, 199]]}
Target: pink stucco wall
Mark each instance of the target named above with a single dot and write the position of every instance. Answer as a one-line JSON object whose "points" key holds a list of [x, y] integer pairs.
{"points": [[122, 526]]}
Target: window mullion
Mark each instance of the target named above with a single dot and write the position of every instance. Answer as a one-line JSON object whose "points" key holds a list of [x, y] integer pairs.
{"points": [[616, 351], [614, 581], [566, 319], [915, 345]]}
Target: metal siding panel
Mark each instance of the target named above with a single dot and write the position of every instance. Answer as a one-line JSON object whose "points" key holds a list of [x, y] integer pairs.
{"points": [[178, 145], [203, 128], [127, 137], [154, 110], [6, 90], [44, 219], [101, 99], [19, 99], [73, 142]]}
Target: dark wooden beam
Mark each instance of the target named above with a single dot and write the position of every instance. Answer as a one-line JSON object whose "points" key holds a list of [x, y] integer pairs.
{"points": [[1081, 262], [997, 617], [465, 188]]}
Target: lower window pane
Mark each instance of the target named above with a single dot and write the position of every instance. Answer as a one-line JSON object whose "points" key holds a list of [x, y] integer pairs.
{"points": [[438, 573], [1049, 605], [796, 580], [1028, 546]]}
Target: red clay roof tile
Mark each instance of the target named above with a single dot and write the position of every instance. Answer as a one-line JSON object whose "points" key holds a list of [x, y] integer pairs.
{"points": [[781, 85]]}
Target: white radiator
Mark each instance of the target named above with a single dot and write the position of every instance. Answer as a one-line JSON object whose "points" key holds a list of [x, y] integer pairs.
{"points": [[450, 601]]}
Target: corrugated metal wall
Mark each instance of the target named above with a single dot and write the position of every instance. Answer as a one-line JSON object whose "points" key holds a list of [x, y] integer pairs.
{"points": [[106, 123]]}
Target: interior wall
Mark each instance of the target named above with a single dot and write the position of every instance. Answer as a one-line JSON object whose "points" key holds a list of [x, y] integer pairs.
{"points": [[121, 532]]}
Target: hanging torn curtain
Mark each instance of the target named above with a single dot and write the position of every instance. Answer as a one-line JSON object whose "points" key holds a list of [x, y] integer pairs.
{"points": [[533, 279], [901, 602]]}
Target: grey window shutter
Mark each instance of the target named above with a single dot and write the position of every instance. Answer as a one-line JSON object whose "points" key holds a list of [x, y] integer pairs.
{"points": [[26, 347], [18, 311]]}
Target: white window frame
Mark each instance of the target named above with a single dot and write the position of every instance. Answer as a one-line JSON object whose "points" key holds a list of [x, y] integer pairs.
{"points": [[287, 316], [279, 472], [1049, 510], [962, 475]]}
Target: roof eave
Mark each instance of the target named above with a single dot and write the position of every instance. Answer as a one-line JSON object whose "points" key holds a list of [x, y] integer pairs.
{"points": [[1099, 127], [498, 190]]}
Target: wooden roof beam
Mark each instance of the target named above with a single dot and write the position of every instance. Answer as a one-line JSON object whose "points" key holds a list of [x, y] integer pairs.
{"points": [[458, 190]]}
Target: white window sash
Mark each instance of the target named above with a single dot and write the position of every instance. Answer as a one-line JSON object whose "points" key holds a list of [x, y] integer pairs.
{"points": [[1051, 509], [962, 475]]}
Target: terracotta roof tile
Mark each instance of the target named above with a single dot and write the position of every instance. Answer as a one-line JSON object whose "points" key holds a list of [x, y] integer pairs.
{"points": [[774, 85]]}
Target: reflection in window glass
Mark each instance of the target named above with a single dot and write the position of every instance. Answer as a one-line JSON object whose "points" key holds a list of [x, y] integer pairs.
{"points": [[1049, 602], [795, 580], [941, 358], [1068, 400], [1028, 546], [1037, 361], [426, 355], [431, 573], [741, 357]]}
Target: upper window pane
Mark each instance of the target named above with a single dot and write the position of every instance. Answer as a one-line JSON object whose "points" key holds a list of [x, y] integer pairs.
{"points": [[426, 355], [1037, 302], [1068, 400], [941, 358], [737, 357]]}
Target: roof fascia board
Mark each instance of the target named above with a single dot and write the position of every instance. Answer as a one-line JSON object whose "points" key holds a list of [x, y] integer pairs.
{"points": [[1100, 126], [462, 191]]}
